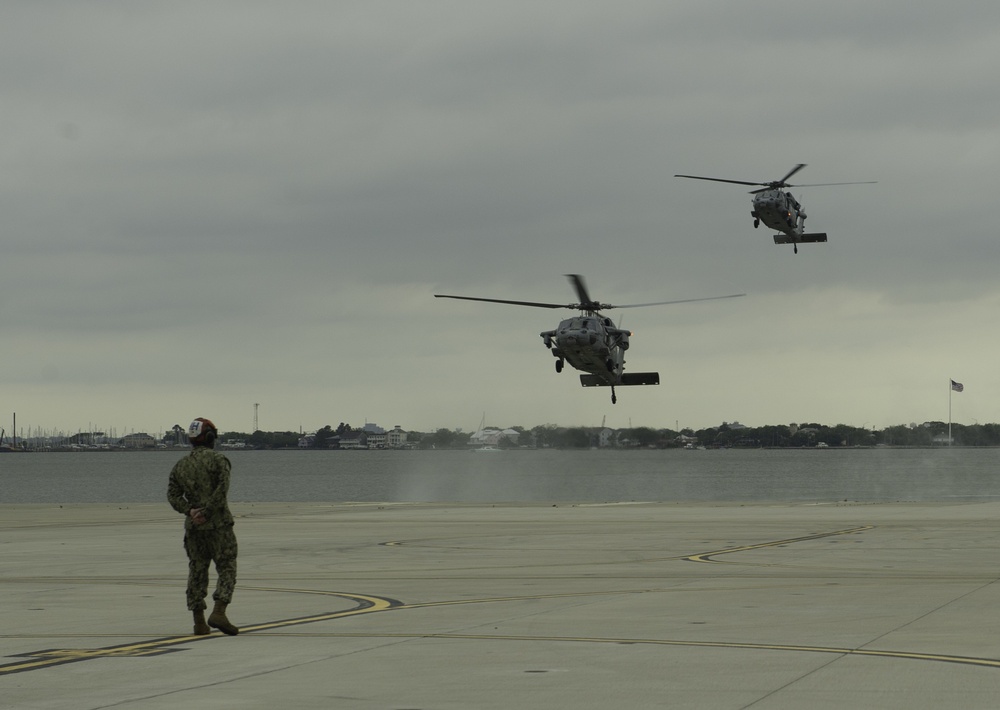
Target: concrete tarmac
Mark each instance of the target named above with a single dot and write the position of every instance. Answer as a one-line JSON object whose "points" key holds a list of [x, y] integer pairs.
{"points": [[428, 606]]}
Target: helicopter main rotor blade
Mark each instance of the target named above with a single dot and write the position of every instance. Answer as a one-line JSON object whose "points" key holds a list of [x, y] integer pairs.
{"points": [[512, 303], [667, 303], [586, 304], [735, 182], [822, 184], [791, 172], [581, 288]]}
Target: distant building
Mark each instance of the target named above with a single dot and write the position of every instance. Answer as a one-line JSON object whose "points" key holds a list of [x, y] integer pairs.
{"points": [[137, 441], [492, 437], [374, 437], [396, 439], [354, 439]]}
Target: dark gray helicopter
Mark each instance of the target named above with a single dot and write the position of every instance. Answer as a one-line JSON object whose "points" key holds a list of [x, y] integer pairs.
{"points": [[779, 210], [590, 342]]}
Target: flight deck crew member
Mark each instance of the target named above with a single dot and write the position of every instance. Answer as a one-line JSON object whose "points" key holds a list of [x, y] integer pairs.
{"points": [[199, 489]]}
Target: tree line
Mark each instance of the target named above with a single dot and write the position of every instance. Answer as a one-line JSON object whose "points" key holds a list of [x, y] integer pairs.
{"points": [[724, 436]]}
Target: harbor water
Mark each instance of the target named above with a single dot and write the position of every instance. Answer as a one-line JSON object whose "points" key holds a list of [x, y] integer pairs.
{"points": [[521, 476]]}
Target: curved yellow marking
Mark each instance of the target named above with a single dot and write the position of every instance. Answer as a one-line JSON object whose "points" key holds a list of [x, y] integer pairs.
{"points": [[707, 556], [370, 604], [55, 657]]}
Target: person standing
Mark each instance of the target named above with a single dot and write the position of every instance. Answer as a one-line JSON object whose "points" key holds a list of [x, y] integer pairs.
{"points": [[199, 490]]}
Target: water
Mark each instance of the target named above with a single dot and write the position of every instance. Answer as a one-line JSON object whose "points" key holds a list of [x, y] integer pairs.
{"points": [[741, 475]]}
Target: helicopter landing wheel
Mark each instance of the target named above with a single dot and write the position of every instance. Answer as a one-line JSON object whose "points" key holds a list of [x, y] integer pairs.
{"points": [[559, 365], [614, 397], [610, 365], [756, 223]]}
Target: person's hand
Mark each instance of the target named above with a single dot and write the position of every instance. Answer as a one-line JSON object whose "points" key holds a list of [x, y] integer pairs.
{"points": [[197, 516]]}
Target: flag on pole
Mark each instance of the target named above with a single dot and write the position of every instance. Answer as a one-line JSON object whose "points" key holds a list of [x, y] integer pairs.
{"points": [[957, 386]]}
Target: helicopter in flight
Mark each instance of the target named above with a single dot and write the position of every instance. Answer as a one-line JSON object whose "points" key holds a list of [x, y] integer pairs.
{"points": [[779, 210], [590, 342]]}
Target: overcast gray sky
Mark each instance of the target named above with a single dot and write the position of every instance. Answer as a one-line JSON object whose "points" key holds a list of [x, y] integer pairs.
{"points": [[215, 204]]}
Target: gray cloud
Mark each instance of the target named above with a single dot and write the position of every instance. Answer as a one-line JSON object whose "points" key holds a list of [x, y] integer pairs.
{"points": [[212, 205]]}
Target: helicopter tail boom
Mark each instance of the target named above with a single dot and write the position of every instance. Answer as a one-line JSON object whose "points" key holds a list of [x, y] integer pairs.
{"points": [[627, 378], [800, 238]]}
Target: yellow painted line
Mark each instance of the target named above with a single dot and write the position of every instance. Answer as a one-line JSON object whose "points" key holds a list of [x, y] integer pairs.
{"points": [[55, 657], [707, 556], [367, 604]]}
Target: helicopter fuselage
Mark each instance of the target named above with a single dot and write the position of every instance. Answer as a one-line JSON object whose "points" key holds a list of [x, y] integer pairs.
{"points": [[779, 211], [589, 343]]}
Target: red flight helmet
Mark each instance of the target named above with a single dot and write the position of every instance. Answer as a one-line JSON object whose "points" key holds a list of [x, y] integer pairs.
{"points": [[202, 431]]}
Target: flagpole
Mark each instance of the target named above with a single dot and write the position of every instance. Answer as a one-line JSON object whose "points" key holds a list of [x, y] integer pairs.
{"points": [[951, 389]]}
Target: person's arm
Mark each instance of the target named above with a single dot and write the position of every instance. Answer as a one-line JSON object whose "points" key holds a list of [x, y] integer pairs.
{"points": [[175, 495], [179, 502], [217, 501]]}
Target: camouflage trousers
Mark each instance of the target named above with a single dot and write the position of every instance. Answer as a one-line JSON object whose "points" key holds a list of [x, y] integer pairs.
{"points": [[204, 547]]}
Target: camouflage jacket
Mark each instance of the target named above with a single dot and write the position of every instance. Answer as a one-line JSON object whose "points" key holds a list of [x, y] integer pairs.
{"points": [[201, 480]]}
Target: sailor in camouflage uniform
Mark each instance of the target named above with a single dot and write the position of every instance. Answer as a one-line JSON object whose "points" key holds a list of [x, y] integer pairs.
{"points": [[198, 489]]}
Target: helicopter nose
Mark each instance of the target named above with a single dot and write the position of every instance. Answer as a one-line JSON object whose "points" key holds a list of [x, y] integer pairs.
{"points": [[577, 338]]}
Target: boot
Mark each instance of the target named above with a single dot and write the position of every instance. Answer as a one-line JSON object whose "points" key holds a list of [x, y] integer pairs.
{"points": [[217, 620], [200, 627]]}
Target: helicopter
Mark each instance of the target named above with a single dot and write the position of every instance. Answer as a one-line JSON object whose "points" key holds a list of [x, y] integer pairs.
{"points": [[779, 210], [590, 342]]}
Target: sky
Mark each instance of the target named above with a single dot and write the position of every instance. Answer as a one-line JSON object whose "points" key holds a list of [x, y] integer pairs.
{"points": [[240, 209]]}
